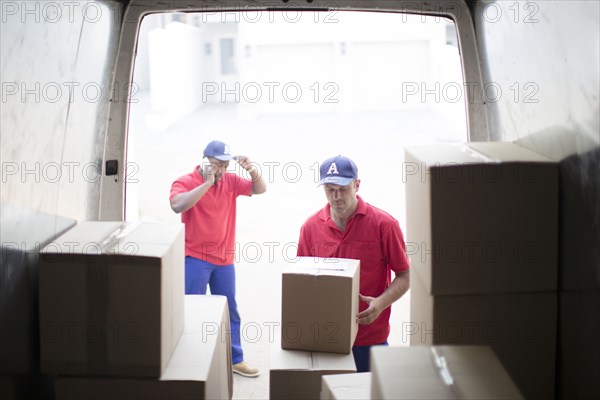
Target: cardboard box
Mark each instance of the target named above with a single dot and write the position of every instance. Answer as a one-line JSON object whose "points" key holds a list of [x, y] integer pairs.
{"points": [[23, 233], [439, 372], [111, 299], [26, 386], [579, 228], [482, 218], [297, 374], [200, 367], [346, 386], [319, 304], [519, 327], [579, 350]]}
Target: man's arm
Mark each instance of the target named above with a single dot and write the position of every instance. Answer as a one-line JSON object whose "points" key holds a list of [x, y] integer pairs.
{"points": [[376, 305], [184, 201], [259, 185]]}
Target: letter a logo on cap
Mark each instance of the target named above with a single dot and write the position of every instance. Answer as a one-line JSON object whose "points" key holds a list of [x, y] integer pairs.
{"points": [[332, 169]]}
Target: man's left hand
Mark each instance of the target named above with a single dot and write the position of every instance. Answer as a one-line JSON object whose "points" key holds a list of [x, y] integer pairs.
{"points": [[370, 314], [244, 162]]}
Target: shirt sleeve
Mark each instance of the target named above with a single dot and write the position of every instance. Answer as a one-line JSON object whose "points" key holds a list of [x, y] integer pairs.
{"points": [[243, 186], [179, 186], [303, 244], [394, 247]]}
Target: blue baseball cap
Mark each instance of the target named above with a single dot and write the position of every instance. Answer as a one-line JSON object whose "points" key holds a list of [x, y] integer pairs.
{"points": [[338, 170], [219, 150]]}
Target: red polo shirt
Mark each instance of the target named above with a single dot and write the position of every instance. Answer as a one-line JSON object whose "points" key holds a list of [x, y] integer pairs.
{"points": [[210, 223], [371, 236]]}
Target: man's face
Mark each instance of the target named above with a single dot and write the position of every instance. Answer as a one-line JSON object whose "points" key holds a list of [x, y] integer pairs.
{"points": [[219, 167], [342, 199]]}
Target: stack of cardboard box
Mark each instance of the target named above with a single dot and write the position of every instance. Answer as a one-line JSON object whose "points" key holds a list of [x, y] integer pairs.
{"points": [[482, 237], [112, 316], [318, 313]]}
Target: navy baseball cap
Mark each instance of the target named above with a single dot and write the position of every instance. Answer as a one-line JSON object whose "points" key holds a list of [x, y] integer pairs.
{"points": [[338, 170], [219, 150]]}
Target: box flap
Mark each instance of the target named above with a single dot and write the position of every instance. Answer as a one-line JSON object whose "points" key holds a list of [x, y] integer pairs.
{"points": [[296, 360], [333, 362], [86, 237], [26, 230], [348, 386], [204, 323], [507, 152], [323, 266], [443, 154], [116, 238]]}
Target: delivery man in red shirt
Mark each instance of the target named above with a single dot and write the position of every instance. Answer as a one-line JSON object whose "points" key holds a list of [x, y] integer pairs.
{"points": [[350, 228], [206, 199]]}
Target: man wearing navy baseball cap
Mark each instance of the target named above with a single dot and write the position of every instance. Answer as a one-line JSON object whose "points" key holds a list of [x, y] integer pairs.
{"points": [[206, 199], [348, 227]]}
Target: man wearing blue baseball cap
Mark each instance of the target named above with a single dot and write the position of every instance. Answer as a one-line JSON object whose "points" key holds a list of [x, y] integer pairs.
{"points": [[348, 227], [206, 199]]}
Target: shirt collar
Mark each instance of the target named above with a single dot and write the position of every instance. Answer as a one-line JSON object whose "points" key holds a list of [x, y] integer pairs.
{"points": [[361, 208]]}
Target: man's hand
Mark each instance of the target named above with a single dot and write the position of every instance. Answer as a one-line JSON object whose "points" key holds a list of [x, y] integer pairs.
{"points": [[208, 172], [370, 314], [258, 183], [244, 162]]}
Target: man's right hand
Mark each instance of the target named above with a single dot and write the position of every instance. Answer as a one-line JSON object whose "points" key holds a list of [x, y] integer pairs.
{"points": [[208, 172]]}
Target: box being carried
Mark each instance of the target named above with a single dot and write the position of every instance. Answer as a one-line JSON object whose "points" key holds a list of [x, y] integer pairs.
{"points": [[112, 299], [320, 304]]}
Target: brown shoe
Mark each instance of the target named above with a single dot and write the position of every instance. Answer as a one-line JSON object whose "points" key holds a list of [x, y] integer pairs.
{"points": [[244, 369]]}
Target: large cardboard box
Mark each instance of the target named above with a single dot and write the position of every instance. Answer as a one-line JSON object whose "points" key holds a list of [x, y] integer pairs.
{"points": [[23, 233], [579, 265], [579, 349], [439, 372], [111, 299], [519, 327], [297, 374], [200, 367], [482, 218], [346, 386], [320, 304]]}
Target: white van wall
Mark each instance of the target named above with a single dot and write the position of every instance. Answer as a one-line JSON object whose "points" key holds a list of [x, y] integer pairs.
{"points": [[57, 66], [540, 63]]}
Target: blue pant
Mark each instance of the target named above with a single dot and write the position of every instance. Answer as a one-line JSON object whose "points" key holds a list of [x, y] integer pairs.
{"points": [[221, 279], [362, 357]]}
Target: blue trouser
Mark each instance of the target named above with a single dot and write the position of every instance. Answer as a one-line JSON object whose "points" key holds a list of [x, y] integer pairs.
{"points": [[221, 279], [362, 357]]}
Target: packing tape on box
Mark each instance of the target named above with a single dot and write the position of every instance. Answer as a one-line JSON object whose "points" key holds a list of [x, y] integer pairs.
{"points": [[439, 361]]}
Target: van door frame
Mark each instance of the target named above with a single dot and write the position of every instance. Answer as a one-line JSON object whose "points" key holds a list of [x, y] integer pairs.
{"points": [[112, 192]]}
